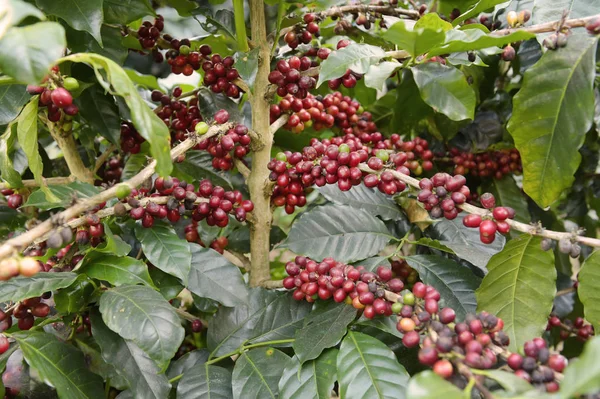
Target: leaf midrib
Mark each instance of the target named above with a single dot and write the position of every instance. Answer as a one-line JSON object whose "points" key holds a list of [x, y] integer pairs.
{"points": [[351, 335]]}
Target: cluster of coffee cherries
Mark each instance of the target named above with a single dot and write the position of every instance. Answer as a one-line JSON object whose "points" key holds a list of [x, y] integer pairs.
{"points": [[12, 267], [131, 140], [442, 194], [289, 79], [218, 244], [181, 58], [486, 164], [538, 366], [27, 310], [303, 34], [565, 245], [13, 199], [112, 171], [149, 33], [219, 73], [223, 147], [56, 96], [571, 328], [180, 116], [330, 279], [489, 225]]}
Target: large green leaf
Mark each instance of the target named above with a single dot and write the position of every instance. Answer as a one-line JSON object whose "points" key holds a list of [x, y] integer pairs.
{"points": [[343, 232], [552, 113], [134, 164], [198, 164], [12, 99], [476, 9], [165, 250], [267, 316], [142, 373], [85, 15], [27, 131], [323, 328], [357, 57], [19, 288], [427, 385], [113, 47], [7, 169], [446, 90], [257, 373], [113, 244], [74, 297], [456, 283], [101, 112], [427, 33], [27, 53], [520, 288], [378, 74], [97, 365], [21, 10], [212, 276], [117, 270], [368, 369], [583, 376], [63, 194], [362, 197], [116, 81], [125, 11], [465, 242], [205, 382], [475, 39], [589, 288], [140, 314], [61, 364], [312, 380]]}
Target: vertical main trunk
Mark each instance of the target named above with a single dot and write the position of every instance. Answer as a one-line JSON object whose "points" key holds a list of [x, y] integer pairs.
{"points": [[259, 176]]}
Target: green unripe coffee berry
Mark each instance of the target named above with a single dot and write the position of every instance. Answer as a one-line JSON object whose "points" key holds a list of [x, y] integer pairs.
{"points": [[383, 155], [344, 148], [70, 84], [396, 307], [184, 50], [408, 299], [201, 128], [281, 157], [67, 126], [123, 191]]}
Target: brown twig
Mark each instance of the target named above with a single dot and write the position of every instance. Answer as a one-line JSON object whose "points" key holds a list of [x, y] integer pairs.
{"points": [[548, 26], [47, 181], [242, 168], [103, 157]]}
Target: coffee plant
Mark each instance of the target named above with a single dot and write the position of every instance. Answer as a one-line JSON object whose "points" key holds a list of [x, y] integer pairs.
{"points": [[277, 199]]}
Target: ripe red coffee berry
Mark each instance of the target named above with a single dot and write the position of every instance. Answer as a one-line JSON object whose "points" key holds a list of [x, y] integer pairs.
{"points": [[196, 325], [222, 116], [487, 228], [487, 200], [500, 213], [472, 221], [61, 97], [411, 339], [14, 201], [515, 361], [443, 368], [4, 344], [447, 315]]}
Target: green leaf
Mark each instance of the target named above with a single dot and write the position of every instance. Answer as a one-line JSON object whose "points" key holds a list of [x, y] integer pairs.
{"points": [[446, 90], [101, 112], [60, 364], [7, 170], [205, 382], [257, 373], [552, 113], [74, 297], [22, 10], [134, 164], [115, 269], [589, 288], [143, 375], [19, 288], [420, 39], [357, 57], [168, 286], [27, 132], [368, 369], [583, 375], [345, 233], [362, 197], [427, 385], [63, 193], [520, 288], [128, 310], [267, 316], [509, 381], [187, 362], [475, 39], [476, 9], [113, 244], [465, 242], [323, 328], [12, 99], [247, 65], [147, 81], [198, 164], [371, 263], [435, 244], [456, 283], [27, 53], [148, 124], [212, 276], [113, 47], [91, 351], [312, 380], [165, 250], [378, 74], [84, 15], [125, 11]]}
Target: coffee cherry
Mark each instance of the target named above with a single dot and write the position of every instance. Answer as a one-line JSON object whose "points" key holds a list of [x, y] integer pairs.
{"points": [[201, 128], [512, 18], [29, 267], [447, 315], [565, 245], [197, 325], [61, 97], [14, 201], [500, 213], [487, 228], [123, 191], [4, 344], [221, 117], [508, 54], [443, 368], [514, 361], [487, 200], [70, 84], [472, 221], [411, 339]]}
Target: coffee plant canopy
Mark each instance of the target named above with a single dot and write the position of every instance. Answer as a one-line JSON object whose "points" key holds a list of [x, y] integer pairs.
{"points": [[257, 199]]}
